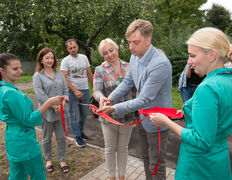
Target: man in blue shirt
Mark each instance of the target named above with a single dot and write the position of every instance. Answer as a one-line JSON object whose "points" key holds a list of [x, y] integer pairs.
{"points": [[151, 73]]}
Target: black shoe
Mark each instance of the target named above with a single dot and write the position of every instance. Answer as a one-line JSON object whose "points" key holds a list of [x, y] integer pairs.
{"points": [[83, 136], [80, 142]]}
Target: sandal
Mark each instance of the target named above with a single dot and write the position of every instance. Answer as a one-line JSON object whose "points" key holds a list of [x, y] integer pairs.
{"points": [[49, 168], [63, 168]]}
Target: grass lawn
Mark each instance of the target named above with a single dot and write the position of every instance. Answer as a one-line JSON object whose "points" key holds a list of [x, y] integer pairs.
{"points": [[176, 97], [25, 77]]}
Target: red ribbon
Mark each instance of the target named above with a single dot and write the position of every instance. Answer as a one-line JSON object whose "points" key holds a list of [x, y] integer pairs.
{"points": [[105, 116], [169, 112], [63, 122], [108, 118]]}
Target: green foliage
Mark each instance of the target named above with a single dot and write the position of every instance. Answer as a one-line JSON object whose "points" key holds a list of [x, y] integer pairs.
{"points": [[28, 26], [218, 17], [18, 36], [176, 49]]}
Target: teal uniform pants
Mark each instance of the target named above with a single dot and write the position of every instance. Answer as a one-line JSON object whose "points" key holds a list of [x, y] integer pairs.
{"points": [[33, 167]]}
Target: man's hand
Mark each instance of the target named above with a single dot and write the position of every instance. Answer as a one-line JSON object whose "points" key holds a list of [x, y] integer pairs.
{"points": [[105, 101], [79, 94], [106, 109]]}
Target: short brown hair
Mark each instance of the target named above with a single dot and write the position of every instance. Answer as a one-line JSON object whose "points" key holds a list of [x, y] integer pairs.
{"points": [[145, 28], [69, 41], [41, 54]]}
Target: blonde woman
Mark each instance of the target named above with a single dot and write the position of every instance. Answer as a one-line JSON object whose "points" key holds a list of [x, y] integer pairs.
{"points": [[107, 77], [204, 152]]}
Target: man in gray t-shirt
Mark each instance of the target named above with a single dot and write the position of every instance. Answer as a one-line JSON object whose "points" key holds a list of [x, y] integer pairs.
{"points": [[76, 70]]}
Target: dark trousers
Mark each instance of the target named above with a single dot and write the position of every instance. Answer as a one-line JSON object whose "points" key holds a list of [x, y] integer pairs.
{"points": [[150, 152]]}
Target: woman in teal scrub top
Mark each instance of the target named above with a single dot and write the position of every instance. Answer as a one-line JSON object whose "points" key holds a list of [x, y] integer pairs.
{"points": [[204, 152], [16, 110]]}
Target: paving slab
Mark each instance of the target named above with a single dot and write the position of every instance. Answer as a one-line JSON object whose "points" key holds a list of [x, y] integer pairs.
{"points": [[135, 171]]}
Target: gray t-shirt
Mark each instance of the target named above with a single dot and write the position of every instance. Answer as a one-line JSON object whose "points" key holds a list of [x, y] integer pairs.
{"points": [[77, 70]]}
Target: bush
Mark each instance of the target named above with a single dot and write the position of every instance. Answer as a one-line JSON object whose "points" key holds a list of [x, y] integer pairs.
{"points": [[174, 45]]}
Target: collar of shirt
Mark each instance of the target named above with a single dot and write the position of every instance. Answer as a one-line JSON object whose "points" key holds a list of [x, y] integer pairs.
{"points": [[5, 83], [42, 72], [218, 71], [141, 61], [106, 64]]}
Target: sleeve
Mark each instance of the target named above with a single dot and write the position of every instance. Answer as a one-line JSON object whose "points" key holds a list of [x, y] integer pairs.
{"points": [[64, 65], [40, 94], [204, 119], [123, 88], [87, 61], [182, 79], [65, 86], [19, 109], [97, 84], [155, 80]]}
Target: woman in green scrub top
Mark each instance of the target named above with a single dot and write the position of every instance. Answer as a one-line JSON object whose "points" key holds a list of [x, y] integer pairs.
{"points": [[16, 110], [204, 152]]}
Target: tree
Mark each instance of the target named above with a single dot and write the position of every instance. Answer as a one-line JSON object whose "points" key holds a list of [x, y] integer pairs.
{"points": [[34, 24], [87, 21], [218, 17], [18, 34]]}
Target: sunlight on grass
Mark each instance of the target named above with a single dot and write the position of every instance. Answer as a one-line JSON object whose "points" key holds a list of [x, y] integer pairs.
{"points": [[29, 91], [27, 77]]}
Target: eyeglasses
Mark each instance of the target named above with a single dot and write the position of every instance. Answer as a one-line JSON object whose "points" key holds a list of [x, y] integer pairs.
{"points": [[105, 53]]}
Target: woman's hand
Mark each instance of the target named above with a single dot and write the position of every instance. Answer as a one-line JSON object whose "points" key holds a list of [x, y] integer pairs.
{"points": [[51, 103], [178, 111], [57, 100], [105, 101], [56, 108], [159, 119], [94, 111], [106, 109]]}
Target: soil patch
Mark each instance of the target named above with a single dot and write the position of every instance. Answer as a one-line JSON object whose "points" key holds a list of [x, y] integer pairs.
{"points": [[80, 160]]}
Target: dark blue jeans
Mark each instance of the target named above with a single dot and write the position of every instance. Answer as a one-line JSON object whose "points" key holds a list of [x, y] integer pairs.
{"points": [[187, 93], [78, 113]]}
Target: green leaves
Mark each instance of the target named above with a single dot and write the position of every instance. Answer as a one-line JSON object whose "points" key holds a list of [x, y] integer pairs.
{"points": [[28, 26]]}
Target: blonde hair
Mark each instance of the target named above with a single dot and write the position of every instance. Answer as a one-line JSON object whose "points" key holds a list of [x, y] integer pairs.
{"points": [[210, 38], [103, 43], [145, 28]]}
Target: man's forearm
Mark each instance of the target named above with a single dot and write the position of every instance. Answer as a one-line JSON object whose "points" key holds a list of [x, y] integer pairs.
{"points": [[70, 86]]}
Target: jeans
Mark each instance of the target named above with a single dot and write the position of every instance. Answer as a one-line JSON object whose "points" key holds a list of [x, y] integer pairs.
{"points": [[78, 113], [187, 93]]}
